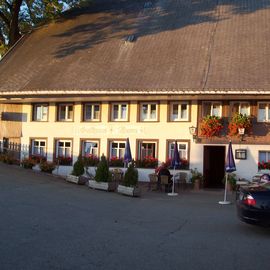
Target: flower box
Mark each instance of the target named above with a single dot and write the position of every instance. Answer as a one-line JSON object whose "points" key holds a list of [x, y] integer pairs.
{"points": [[79, 180], [129, 191], [107, 186]]}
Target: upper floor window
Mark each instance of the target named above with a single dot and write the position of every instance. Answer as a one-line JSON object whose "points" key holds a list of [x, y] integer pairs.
{"points": [[91, 112], [241, 107], [263, 112], [38, 147], [212, 108], [40, 112], [65, 112], [148, 111], [119, 112], [179, 111]]}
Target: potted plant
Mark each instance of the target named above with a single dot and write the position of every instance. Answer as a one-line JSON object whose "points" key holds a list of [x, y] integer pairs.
{"points": [[130, 183], [47, 166], [77, 172], [196, 179], [28, 163], [231, 181], [211, 126], [239, 121], [103, 177]]}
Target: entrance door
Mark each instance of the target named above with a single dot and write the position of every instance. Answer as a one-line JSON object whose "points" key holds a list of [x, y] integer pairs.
{"points": [[213, 166]]}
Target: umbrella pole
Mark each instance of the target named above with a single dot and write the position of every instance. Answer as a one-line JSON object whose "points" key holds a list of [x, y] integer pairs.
{"points": [[173, 193], [225, 192]]}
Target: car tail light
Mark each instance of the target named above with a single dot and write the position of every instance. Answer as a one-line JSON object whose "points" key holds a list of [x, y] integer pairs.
{"points": [[249, 200]]}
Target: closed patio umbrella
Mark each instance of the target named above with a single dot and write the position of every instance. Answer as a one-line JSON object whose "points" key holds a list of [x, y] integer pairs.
{"points": [[175, 163], [229, 167], [127, 155]]}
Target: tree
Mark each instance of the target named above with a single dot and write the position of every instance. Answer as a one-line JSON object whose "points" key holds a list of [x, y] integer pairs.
{"points": [[19, 16]]}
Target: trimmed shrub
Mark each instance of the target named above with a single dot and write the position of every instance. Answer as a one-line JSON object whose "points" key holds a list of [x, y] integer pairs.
{"points": [[102, 172], [131, 176], [47, 166], [78, 167]]}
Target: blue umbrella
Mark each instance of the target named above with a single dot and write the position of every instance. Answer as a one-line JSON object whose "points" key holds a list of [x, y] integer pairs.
{"points": [[175, 163], [230, 164], [229, 167], [127, 156], [176, 158]]}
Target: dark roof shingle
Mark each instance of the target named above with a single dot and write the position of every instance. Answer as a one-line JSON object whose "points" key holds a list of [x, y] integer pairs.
{"points": [[184, 44]]}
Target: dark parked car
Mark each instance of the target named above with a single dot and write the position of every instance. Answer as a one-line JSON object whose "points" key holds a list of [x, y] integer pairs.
{"points": [[253, 203]]}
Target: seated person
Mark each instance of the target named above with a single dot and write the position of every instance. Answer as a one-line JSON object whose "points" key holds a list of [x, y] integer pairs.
{"points": [[265, 178], [163, 170]]}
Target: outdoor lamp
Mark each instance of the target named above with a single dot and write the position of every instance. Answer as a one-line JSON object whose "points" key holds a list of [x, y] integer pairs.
{"points": [[241, 132], [193, 132]]}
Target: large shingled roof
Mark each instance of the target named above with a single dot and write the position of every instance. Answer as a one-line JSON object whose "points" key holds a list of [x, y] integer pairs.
{"points": [[181, 46]]}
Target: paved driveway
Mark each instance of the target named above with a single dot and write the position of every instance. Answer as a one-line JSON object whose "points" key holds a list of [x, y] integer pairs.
{"points": [[46, 223]]}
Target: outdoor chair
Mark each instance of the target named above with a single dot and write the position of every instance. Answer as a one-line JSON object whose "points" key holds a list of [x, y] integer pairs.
{"points": [[164, 181], [181, 180], [153, 181], [117, 175]]}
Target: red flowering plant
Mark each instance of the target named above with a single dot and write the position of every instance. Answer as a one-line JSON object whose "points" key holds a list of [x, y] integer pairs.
{"points": [[264, 165], [66, 161], [38, 158], [211, 126], [116, 162], [90, 160], [28, 163], [239, 120], [147, 162], [184, 164]]}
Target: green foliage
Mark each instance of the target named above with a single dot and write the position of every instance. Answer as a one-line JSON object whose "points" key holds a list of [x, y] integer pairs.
{"points": [[131, 176], [78, 167], [196, 175], [239, 121], [102, 173], [28, 163], [231, 179], [29, 14], [47, 166]]}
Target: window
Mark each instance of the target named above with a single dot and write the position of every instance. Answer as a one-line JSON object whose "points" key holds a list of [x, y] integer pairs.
{"points": [[91, 112], [119, 112], [147, 149], [64, 150], [179, 111], [65, 112], [263, 112], [89, 148], [148, 112], [211, 108], [241, 107], [40, 112], [182, 148], [38, 147], [264, 156], [117, 149]]}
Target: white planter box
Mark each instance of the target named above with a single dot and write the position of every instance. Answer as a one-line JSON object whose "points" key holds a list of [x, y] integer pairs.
{"points": [[79, 180], [130, 191], [107, 186]]}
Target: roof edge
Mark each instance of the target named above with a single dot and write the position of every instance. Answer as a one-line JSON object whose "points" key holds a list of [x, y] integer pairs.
{"points": [[225, 91]]}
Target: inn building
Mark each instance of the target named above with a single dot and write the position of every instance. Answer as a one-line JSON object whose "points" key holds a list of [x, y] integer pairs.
{"points": [[146, 70]]}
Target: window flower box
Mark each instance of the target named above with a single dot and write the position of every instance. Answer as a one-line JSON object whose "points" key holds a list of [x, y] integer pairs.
{"points": [[211, 126], [239, 121]]}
